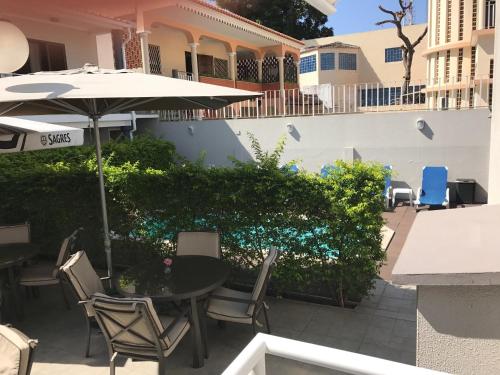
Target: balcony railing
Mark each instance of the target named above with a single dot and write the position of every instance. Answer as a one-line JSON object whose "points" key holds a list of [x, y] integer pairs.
{"points": [[329, 99], [489, 16], [252, 360], [182, 75]]}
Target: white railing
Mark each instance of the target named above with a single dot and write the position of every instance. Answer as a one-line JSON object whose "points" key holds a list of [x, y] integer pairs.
{"points": [[185, 76], [328, 99], [252, 360]]}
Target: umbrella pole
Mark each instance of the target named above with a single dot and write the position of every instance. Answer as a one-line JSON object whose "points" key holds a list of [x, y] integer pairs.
{"points": [[105, 225]]}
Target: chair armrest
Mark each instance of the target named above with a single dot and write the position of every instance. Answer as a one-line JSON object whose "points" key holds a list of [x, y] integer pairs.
{"points": [[234, 299], [184, 312], [105, 278]]}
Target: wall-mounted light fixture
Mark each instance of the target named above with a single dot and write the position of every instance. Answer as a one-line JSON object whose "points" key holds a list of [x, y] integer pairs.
{"points": [[191, 129], [420, 124], [290, 128]]}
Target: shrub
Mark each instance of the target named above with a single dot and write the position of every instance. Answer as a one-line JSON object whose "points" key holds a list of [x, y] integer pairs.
{"points": [[328, 228]]}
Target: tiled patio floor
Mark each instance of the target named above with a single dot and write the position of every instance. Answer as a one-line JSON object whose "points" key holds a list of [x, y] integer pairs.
{"points": [[383, 325]]}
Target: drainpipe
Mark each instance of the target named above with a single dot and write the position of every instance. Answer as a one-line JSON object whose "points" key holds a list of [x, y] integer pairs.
{"points": [[124, 45], [133, 117]]}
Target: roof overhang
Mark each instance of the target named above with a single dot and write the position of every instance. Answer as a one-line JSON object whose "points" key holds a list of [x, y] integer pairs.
{"points": [[325, 6]]}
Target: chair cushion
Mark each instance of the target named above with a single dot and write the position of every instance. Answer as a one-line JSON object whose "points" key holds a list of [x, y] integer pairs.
{"points": [[83, 278], [39, 274], [15, 234], [229, 310], [198, 243], [14, 351], [178, 332]]}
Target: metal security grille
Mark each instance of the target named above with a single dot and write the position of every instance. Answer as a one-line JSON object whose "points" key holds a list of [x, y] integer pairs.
{"points": [[270, 70], [347, 61], [393, 54], [327, 61], [221, 68], [248, 70], [308, 64], [290, 69], [154, 59]]}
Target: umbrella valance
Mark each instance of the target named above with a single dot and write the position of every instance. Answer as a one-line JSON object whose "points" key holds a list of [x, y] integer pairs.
{"points": [[111, 91], [24, 135]]}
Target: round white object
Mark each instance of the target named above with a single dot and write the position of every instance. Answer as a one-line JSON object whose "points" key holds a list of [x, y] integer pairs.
{"points": [[14, 48]]}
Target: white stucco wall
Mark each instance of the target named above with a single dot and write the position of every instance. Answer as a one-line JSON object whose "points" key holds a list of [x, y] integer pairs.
{"points": [[458, 330], [81, 46], [458, 139]]}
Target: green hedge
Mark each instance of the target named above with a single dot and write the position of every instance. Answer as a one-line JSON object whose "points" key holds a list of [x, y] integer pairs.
{"points": [[328, 228]]}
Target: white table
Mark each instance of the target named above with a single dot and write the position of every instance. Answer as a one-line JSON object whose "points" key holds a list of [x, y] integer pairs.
{"points": [[407, 191]]}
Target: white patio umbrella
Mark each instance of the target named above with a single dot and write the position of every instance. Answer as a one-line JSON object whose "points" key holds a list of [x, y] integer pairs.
{"points": [[95, 92], [24, 135]]}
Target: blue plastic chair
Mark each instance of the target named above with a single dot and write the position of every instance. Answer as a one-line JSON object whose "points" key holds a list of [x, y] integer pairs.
{"points": [[326, 170], [388, 185], [434, 190]]}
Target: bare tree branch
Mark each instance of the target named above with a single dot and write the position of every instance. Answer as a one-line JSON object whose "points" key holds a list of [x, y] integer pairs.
{"points": [[384, 22], [420, 38], [393, 14]]}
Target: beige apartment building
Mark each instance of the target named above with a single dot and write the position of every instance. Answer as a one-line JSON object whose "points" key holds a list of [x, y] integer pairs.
{"points": [[460, 53], [368, 63]]}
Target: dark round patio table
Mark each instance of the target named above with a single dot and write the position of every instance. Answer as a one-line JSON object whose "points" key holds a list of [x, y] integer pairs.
{"points": [[190, 277], [12, 255]]}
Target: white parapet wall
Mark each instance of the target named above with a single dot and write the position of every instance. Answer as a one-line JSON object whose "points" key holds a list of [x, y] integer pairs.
{"points": [[458, 330], [457, 139]]}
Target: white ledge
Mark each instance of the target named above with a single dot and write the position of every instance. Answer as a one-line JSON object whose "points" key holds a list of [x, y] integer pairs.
{"points": [[452, 247]]}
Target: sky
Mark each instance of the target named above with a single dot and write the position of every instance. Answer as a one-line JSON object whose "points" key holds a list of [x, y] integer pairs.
{"points": [[355, 16]]}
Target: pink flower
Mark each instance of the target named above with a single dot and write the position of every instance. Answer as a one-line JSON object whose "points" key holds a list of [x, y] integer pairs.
{"points": [[167, 262]]}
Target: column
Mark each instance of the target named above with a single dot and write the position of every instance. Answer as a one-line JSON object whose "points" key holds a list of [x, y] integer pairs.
{"points": [[144, 37], [281, 61], [232, 65], [494, 173], [297, 67], [259, 70], [194, 61]]}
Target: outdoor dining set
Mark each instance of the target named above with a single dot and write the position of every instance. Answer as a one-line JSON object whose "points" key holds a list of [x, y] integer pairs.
{"points": [[128, 307]]}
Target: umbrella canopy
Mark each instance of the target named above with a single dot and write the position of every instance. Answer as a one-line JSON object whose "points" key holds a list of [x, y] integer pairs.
{"points": [[24, 135], [95, 92], [92, 91]]}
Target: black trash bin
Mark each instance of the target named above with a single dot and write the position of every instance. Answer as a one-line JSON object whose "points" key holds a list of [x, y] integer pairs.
{"points": [[465, 190]]}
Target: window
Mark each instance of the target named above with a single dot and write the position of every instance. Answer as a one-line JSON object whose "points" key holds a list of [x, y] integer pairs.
{"points": [[393, 54], [436, 68], [44, 56], [459, 99], [473, 62], [474, 14], [460, 64], [347, 61], [489, 21], [492, 66], [154, 59], [308, 64], [438, 22], [221, 68], [447, 66], [448, 21], [327, 61], [206, 65], [461, 11]]}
